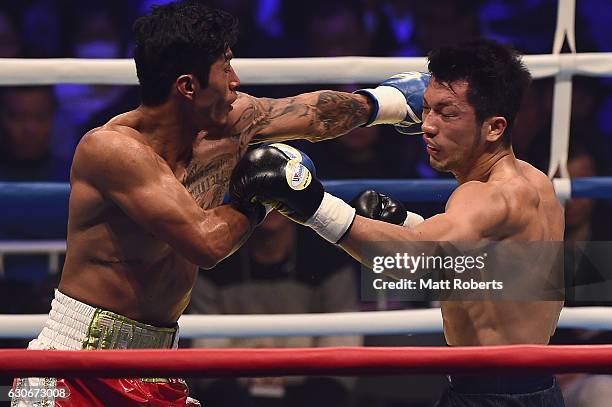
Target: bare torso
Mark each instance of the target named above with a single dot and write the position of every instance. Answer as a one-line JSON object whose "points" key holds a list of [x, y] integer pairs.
{"points": [[112, 262], [529, 195]]}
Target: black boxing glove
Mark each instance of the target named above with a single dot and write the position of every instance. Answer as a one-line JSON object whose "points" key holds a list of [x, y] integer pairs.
{"points": [[284, 177], [267, 175], [377, 206]]}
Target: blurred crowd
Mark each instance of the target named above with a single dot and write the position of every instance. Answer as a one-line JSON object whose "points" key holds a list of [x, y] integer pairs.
{"points": [[276, 272]]}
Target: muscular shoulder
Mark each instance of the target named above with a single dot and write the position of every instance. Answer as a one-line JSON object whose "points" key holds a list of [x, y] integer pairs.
{"points": [[476, 193], [549, 206], [504, 207], [105, 143], [538, 180], [485, 206], [110, 152]]}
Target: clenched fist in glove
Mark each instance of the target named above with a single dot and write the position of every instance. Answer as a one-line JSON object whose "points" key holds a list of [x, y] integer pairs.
{"points": [[399, 101], [281, 176], [377, 206]]}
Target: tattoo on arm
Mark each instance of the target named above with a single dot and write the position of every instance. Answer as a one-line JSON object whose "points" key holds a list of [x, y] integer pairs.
{"points": [[316, 116], [340, 112]]}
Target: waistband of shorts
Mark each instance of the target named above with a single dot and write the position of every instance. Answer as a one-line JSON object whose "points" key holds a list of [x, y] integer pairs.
{"points": [[73, 324], [496, 384]]}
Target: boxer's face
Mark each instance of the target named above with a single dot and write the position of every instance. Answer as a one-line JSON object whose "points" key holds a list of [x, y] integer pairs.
{"points": [[451, 131], [214, 102]]}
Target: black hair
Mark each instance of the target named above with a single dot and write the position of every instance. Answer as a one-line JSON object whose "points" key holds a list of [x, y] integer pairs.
{"points": [[179, 38], [496, 77]]}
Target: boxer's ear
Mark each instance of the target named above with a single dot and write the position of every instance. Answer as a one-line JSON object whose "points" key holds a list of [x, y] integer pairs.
{"points": [[186, 85], [494, 128]]}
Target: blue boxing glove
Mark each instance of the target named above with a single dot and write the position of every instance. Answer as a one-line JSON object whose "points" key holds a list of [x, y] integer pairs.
{"points": [[399, 101]]}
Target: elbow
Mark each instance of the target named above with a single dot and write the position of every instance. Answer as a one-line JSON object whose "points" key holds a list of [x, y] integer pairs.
{"points": [[212, 253], [206, 261], [215, 246], [207, 264]]}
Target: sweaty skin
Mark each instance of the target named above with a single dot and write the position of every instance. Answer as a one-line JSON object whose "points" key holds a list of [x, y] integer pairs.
{"points": [[499, 198], [147, 189]]}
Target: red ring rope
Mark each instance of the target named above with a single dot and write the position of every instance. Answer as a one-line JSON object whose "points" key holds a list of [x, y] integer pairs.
{"points": [[309, 361]]}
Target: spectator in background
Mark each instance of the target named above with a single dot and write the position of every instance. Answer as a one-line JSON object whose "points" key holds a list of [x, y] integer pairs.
{"points": [[279, 270], [337, 29], [588, 95], [97, 36], [412, 28], [579, 211], [531, 131], [367, 152], [263, 32], [529, 25], [587, 226], [41, 21], [26, 122], [10, 41], [587, 235], [26, 125], [445, 22], [392, 25], [364, 154]]}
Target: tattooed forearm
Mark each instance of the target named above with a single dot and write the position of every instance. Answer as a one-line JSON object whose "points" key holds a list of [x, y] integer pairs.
{"points": [[315, 116], [339, 112]]}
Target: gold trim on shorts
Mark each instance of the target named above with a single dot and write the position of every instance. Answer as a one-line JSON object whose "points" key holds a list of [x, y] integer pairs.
{"points": [[108, 330]]}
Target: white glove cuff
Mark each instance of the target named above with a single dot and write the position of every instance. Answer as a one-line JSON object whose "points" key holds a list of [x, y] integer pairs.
{"points": [[392, 105], [332, 219], [412, 219]]}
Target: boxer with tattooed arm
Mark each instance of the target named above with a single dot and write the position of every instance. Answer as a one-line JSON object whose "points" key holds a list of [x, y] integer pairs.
{"points": [[147, 189]]}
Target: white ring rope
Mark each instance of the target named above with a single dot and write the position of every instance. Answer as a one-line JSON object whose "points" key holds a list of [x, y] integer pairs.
{"points": [[344, 323], [279, 71]]}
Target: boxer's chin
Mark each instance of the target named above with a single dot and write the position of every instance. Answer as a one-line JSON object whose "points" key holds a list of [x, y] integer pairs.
{"points": [[437, 165]]}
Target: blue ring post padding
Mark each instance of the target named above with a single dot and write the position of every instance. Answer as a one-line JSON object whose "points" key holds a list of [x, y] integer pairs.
{"points": [[40, 210]]}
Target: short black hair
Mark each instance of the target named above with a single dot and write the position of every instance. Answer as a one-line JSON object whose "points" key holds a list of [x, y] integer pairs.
{"points": [[179, 38], [496, 77]]}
